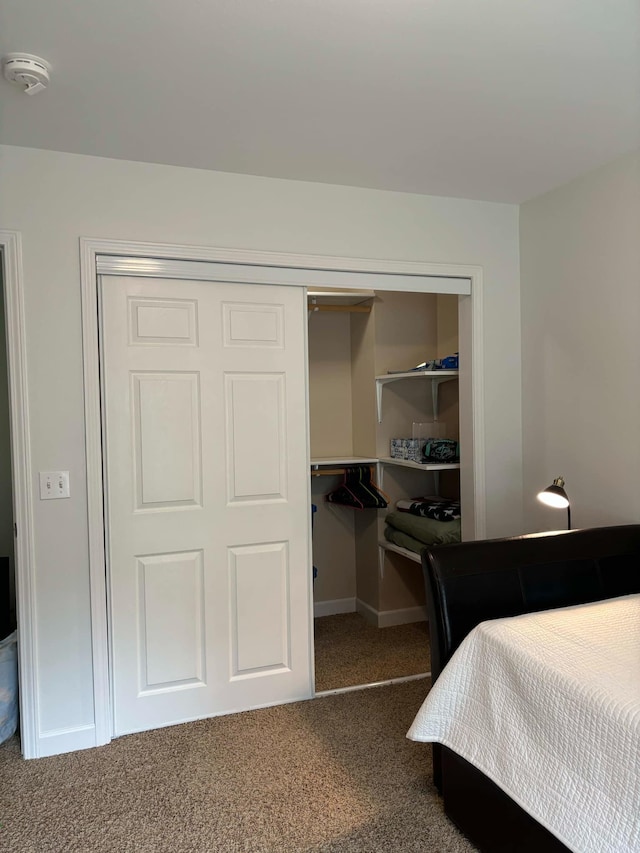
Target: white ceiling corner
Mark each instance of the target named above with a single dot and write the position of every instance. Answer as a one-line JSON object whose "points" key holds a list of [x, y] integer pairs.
{"points": [[498, 100]]}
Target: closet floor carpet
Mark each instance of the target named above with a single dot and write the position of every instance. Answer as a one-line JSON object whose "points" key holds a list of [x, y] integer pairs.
{"points": [[350, 651]]}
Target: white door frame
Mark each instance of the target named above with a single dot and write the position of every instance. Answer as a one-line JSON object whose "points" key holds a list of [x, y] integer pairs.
{"points": [[274, 267], [11, 250]]}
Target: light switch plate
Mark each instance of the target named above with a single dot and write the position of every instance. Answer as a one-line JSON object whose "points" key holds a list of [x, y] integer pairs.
{"points": [[54, 485]]}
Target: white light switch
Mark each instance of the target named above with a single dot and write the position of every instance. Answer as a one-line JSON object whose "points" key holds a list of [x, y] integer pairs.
{"points": [[54, 485]]}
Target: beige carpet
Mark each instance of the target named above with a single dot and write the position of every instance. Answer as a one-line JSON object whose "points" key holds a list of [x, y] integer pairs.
{"points": [[332, 774], [350, 651]]}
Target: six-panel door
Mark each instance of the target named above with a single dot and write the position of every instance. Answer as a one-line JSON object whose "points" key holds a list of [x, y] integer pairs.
{"points": [[206, 497]]}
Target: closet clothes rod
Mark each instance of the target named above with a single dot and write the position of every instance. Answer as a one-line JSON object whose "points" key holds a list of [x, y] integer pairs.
{"points": [[332, 472], [351, 309]]}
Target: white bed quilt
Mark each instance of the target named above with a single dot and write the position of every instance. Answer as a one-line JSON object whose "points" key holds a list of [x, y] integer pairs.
{"points": [[547, 705]]}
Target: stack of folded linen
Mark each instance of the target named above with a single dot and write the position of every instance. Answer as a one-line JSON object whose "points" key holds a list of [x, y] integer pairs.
{"points": [[418, 522], [440, 509]]}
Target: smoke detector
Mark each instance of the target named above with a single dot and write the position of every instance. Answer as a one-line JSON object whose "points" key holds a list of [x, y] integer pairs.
{"points": [[26, 70]]}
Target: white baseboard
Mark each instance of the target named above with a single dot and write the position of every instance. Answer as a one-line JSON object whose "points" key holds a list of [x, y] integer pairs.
{"points": [[387, 618], [367, 611], [65, 740], [330, 608]]}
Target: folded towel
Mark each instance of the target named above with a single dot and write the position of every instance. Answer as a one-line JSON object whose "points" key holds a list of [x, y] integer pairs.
{"points": [[426, 530], [402, 539]]}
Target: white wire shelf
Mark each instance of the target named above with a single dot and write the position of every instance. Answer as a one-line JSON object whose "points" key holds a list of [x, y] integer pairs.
{"points": [[410, 555]]}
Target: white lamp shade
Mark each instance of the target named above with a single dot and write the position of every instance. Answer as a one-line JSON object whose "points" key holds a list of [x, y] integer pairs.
{"points": [[553, 499]]}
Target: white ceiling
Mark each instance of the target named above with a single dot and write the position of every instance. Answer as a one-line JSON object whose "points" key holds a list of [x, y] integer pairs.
{"points": [[488, 99]]}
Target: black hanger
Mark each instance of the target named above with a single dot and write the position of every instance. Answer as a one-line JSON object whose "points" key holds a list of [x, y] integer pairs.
{"points": [[343, 495], [357, 490]]}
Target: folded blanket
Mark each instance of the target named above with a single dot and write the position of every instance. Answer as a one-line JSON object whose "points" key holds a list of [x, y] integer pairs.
{"points": [[403, 539], [440, 509], [426, 530]]}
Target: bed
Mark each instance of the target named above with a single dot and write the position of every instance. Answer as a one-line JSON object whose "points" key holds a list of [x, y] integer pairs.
{"points": [[535, 720]]}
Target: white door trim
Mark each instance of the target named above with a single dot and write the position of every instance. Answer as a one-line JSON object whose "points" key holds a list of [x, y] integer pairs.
{"points": [[91, 249], [11, 246]]}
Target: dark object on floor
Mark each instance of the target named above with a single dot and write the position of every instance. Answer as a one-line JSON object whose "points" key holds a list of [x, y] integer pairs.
{"points": [[5, 599], [470, 582]]}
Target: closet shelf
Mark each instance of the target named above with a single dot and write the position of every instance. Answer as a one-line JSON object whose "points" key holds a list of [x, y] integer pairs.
{"points": [[410, 555], [443, 375], [419, 466], [337, 297], [348, 461], [324, 461], [326, 465], [339, 301], [437, 377]]}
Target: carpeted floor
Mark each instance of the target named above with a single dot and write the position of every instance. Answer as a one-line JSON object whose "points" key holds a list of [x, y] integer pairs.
{"points": [[332, 774], [349, 651]]}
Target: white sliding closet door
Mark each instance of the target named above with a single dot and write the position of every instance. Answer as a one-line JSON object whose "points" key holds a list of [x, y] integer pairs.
{"points": [[205, 435]]}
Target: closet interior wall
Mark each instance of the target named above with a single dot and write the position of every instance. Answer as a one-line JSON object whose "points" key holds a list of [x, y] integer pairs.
{"points": [[346, 352], [331, 429]]}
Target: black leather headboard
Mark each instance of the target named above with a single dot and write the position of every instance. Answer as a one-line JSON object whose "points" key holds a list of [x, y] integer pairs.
{"points": [[469, 582]]}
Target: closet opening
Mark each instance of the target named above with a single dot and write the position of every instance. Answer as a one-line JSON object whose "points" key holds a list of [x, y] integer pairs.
{"points": [[385, 475], [8, 610], [7, 571]]}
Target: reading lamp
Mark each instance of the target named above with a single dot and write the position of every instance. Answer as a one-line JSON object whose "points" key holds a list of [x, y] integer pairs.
{"points": [[555, 495]]}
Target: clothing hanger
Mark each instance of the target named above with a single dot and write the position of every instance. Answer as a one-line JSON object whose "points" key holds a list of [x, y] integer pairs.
{"points": [[343, 495], [356, 483], [363, 474], [358, 491]]}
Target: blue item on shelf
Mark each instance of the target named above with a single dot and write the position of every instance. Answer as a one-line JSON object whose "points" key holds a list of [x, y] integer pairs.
{"points": [[450, 362]]}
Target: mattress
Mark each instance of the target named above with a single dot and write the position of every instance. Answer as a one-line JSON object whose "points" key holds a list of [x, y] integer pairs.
{"points": [[547, 705]]}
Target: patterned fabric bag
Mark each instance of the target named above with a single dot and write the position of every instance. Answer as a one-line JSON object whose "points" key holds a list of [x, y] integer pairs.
{"points": [[439, 509], [441, 450]]}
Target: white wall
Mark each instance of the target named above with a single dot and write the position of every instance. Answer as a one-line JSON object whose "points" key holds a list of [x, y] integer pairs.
{"points": [[53, 199], [580, 252]]}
